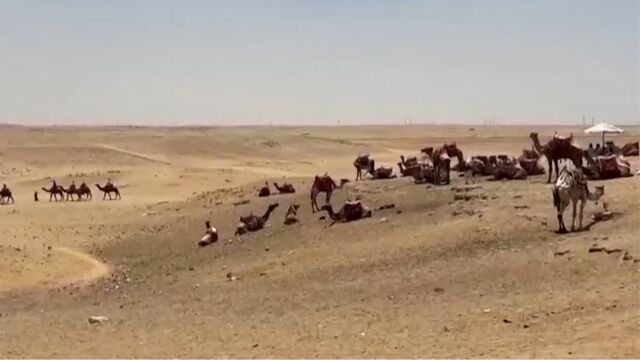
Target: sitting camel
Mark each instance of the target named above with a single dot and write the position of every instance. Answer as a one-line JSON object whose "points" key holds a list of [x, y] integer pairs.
{"points": [[5, 195], [473, 169], [631, 149], [286, 188], [253, 222], [364, 163], [571, 187], [509, 169], [292, 215], [606, 167], [326, 185], [382, 173], [264, 191], [109, 188], [54, 191], [350, 211], [210, 235]]}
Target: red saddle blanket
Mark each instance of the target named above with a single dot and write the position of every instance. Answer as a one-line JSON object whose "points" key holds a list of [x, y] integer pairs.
{"points": [[607, 163]]}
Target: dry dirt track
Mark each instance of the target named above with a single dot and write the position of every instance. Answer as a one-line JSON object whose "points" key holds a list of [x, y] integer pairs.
{"points": [[440, 278]]}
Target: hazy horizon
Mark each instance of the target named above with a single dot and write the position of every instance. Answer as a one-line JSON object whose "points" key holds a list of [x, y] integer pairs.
{"points": [[213, 63]]}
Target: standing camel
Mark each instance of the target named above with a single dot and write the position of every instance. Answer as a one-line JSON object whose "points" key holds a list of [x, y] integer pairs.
{"points": [[364, 163], [442, 163], [253, 222], [326, 185], [5, 195], [571, 187], [557, 149], [54, 191], [108, 189]]}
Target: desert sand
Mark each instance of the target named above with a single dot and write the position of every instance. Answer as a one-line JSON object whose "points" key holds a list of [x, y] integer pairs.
{"points": [[432, 277]]}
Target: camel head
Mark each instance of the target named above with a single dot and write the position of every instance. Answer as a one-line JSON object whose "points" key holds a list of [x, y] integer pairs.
{"points": [[273, 206], [428, 150], [599, 193], [533, 135]]}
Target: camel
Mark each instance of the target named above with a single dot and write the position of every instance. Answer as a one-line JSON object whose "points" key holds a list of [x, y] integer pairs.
{"points": [[530, 154], [606, 167], [210, 235], [253, 222], [452, 151], [531, 166], [292, 215], [571, 187], [631, 149], [54, 191], [286, 188], [421, 172], [350, 211], [264, 191], [473, 168], [382, 173], [6, 195], [509, 169], [109, 188], [326, 185], [557, 149], [82, 190], [441, 162], [363, 163]]}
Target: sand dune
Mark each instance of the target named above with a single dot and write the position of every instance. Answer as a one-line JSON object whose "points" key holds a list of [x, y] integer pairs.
{"points": [[432, 277]]}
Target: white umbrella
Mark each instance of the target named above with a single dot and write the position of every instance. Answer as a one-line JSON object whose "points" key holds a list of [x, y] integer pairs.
{"points": [[604, 128]]}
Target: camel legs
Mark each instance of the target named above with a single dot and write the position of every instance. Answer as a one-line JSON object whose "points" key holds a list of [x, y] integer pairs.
{"points": [[573, 219], [328, 198], [582, 204], [561, 227], [550, 166], [314, 204]]}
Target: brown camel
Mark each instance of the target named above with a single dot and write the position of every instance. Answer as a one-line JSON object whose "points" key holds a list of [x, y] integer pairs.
{"points": [[350, 211], [54, 191], [264, 191], [606, 167], [509, 169], [80, 191], [292, 215], [253, 222], [5, 195], [364, 163], [108, 189], [382, 173], [441, 162], [326, 185], [631, 149], [557, 149], [286, 188], [210, 235]]}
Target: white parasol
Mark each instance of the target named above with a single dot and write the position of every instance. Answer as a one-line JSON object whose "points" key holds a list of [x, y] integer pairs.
{"points": [[604, 128]]}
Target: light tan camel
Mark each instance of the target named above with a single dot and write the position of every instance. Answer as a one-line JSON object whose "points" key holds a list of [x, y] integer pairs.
{"points": [[571, 187]]}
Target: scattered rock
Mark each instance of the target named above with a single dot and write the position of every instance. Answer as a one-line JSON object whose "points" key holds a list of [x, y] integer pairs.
{"points": [[438, 289], [384, 220], [399, 212], [561, 253], [255, 345], [526, 326], [241, 202], [266, 248], [191, 268], [98, 319], [486, 311], [611, 251], [506, 321], [521, 207]]}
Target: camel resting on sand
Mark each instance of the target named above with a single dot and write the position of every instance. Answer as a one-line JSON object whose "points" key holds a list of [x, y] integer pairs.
{"points": [[210, 235], [54, 191], [5, 195], [254, 222], [286, 188], [606, 167], [350, 211], [382, 173], [264, 191], [108, 189]]}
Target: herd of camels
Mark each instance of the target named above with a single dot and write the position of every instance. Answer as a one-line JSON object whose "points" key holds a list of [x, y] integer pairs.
{"points": [[435, 167], [60, 193]]}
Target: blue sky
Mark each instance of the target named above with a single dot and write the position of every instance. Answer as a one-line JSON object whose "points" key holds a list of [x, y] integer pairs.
{"points": [[163, 62]]}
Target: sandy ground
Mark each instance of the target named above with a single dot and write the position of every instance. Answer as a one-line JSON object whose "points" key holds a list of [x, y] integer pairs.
{"points": [[486, 277]]}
